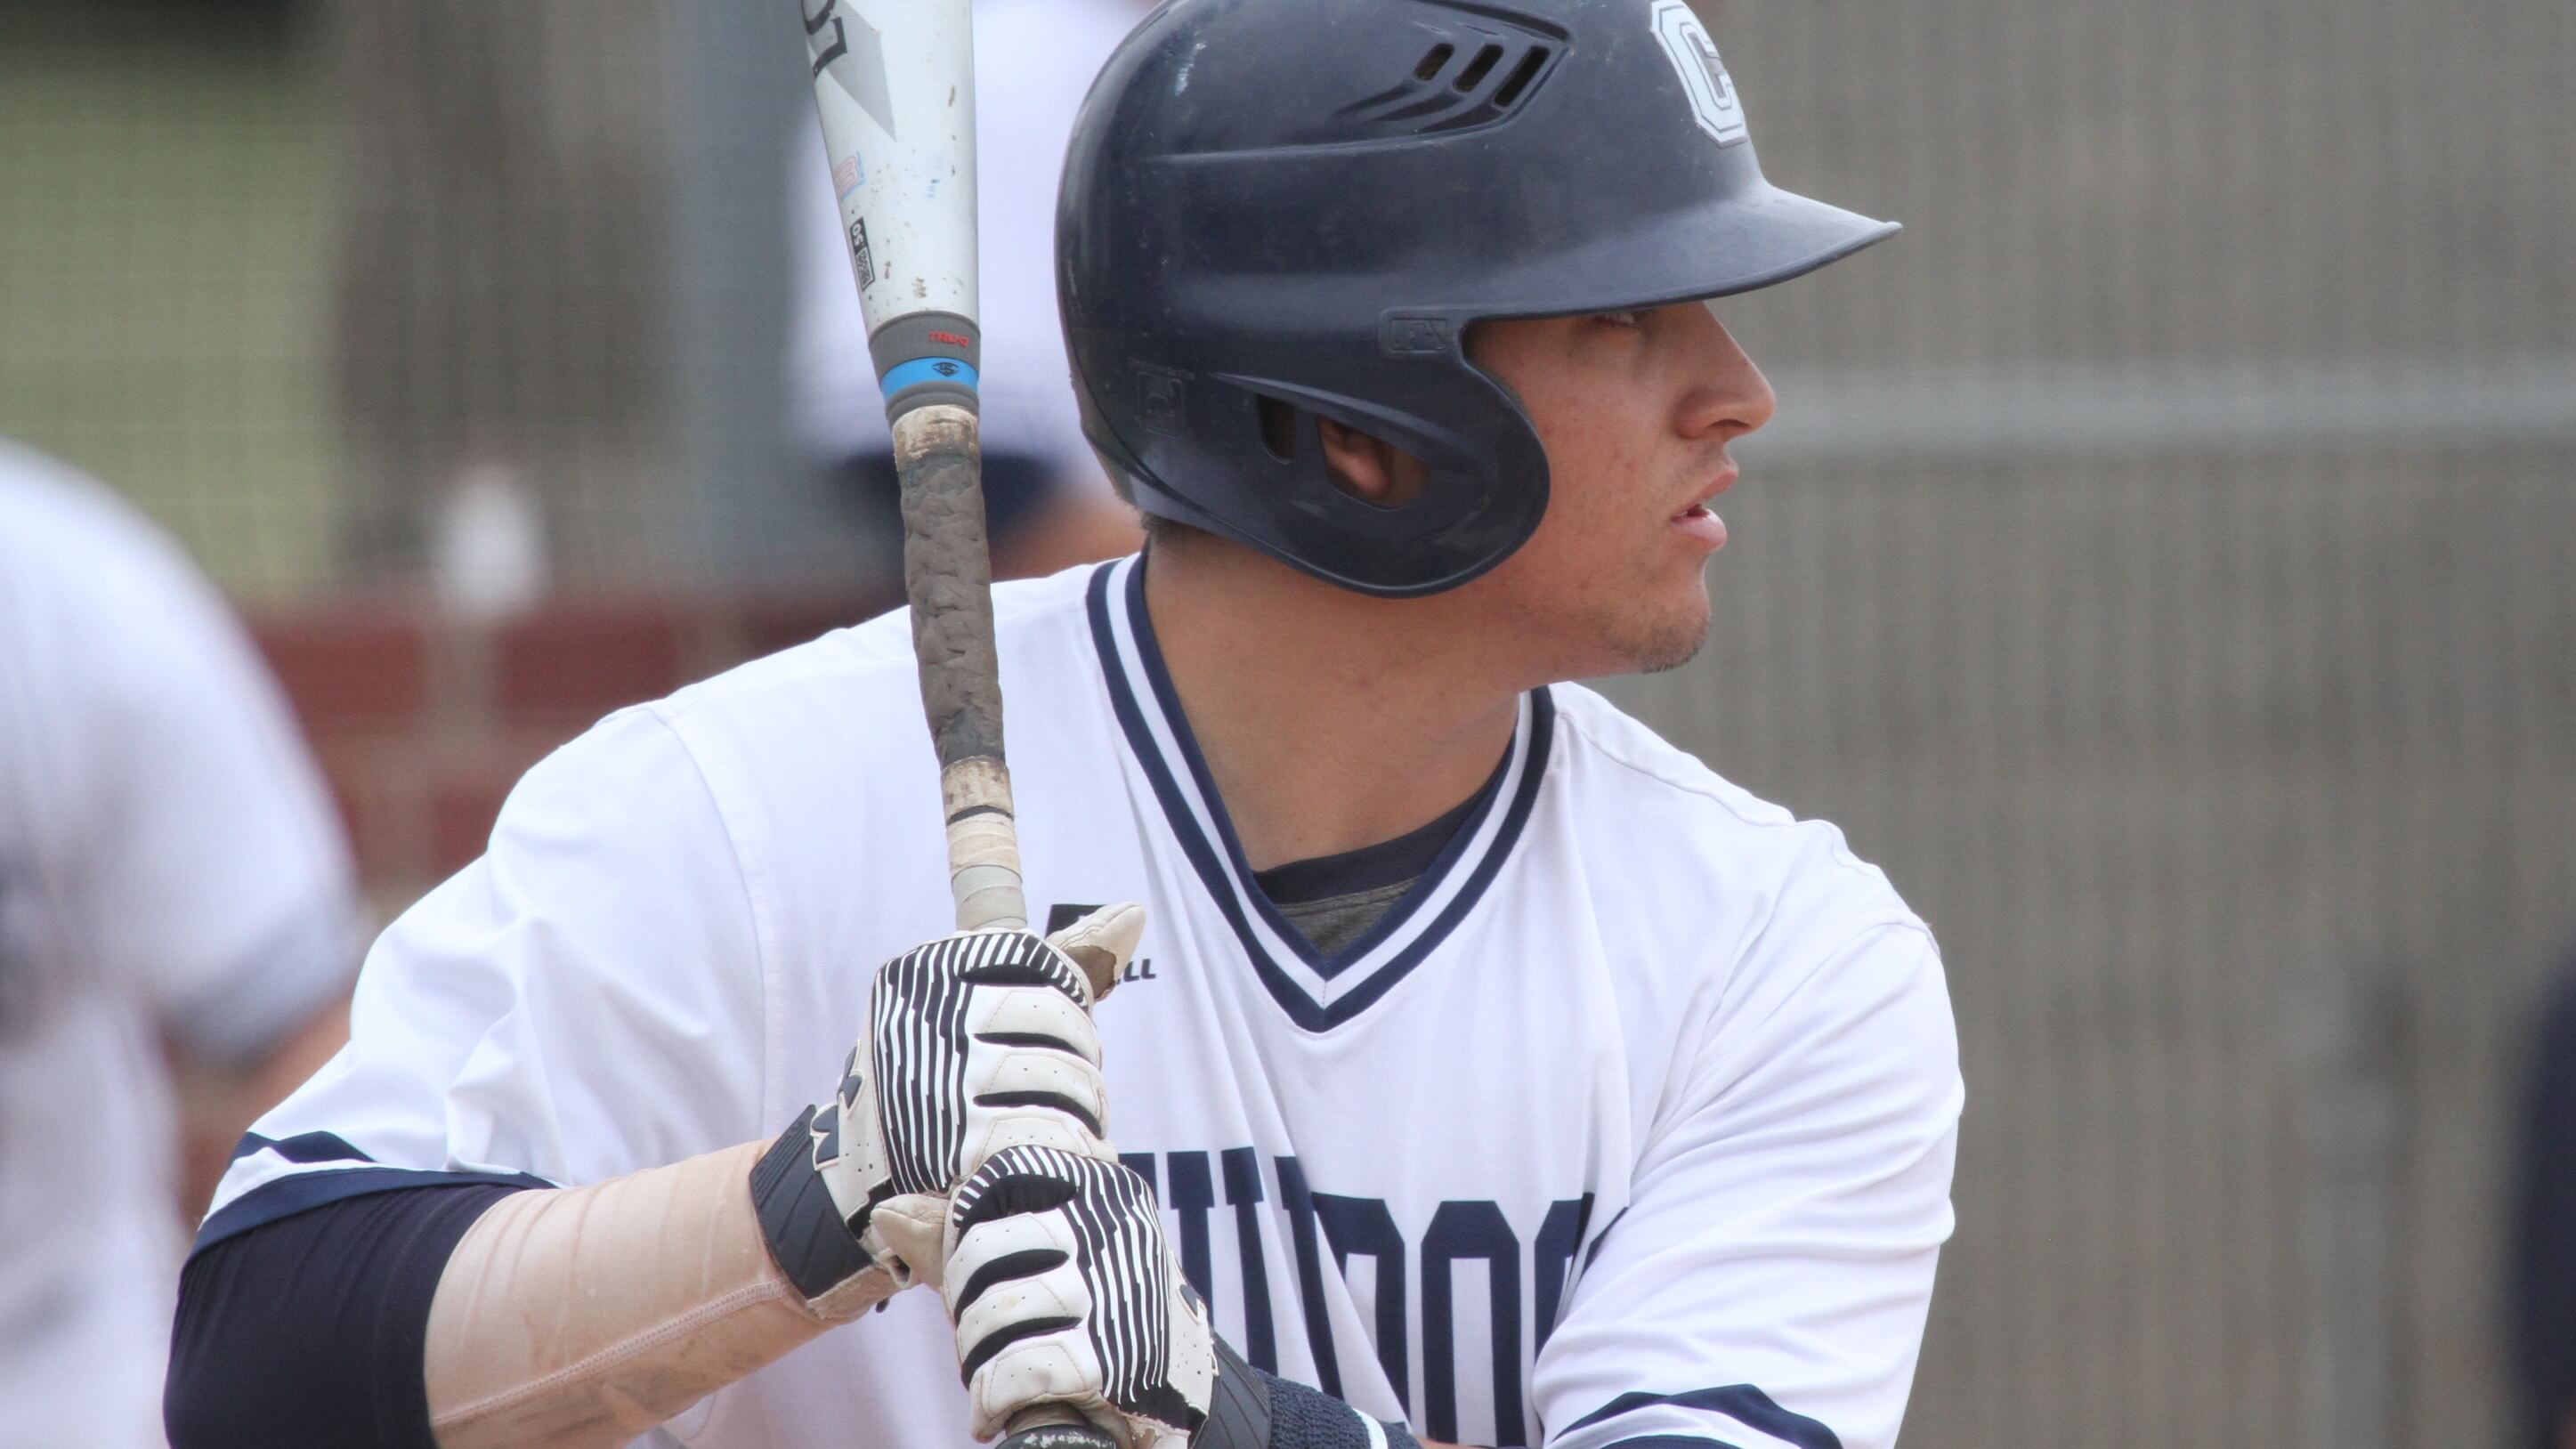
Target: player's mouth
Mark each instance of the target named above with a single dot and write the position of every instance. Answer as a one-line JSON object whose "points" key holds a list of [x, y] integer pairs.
{"points": [[1698, 521]]}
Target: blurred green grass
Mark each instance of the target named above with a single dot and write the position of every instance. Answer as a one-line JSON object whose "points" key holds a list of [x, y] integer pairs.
{"points": [[164, 288]]}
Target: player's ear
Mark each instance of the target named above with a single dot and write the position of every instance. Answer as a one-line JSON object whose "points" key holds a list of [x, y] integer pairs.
{"points": [[1370, 469]]}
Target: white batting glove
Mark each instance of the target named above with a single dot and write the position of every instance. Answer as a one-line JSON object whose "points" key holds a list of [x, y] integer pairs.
{"points": [[975, 1043], [1063, 1290]]}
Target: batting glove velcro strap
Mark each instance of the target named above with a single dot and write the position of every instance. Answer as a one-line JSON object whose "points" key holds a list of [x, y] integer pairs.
{"points": [[808, 1237], [1064, 1290]]}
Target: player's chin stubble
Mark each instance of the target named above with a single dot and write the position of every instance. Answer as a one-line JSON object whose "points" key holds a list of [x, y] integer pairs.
{"points": [[1671, 649], [1656, 636]]}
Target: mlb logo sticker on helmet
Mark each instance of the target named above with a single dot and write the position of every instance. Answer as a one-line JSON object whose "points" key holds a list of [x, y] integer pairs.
{"points": [[1159, 393], [1414, 336], [1704, 78]]}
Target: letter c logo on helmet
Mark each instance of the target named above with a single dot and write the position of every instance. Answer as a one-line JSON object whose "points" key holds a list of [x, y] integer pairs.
{"points": [[1711, 89], [1291, 209]]}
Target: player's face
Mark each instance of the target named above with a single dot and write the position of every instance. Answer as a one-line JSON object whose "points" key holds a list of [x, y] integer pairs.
{"points": [[1636, 410]]}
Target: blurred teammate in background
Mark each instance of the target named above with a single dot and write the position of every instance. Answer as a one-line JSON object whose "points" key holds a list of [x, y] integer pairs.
{"points": [[176, 941], [1048, 499], [2544, 1270]]}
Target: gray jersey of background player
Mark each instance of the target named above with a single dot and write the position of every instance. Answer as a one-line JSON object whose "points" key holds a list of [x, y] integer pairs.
{"points": [[177, 935], [1049, 504], [1394, 317]]}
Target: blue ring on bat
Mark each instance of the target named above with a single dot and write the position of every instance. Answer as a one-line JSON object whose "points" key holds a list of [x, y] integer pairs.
{"points": [[945, 371]]}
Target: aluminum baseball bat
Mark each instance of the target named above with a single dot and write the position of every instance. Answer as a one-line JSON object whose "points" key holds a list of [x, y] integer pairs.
{"points": [[895, 85], [894, 82]]}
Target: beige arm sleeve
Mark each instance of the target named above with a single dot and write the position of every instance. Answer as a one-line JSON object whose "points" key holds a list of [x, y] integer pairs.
{"points": [[582, 1317]]}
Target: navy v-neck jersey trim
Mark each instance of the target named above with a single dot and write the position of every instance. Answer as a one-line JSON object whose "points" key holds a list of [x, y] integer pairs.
{"points": [[1141, 696]]}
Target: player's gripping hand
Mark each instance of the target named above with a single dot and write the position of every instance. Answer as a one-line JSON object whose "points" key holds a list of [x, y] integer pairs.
{"points": [[974, 1043], [1063, 1290]]}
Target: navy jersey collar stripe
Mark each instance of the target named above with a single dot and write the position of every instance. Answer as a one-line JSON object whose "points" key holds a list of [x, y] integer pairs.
{"points": [[1238, 878], [1202, 857], [1348, 981], [1537, 726]]}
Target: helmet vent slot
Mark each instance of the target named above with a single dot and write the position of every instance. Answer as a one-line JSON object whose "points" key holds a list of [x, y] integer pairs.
{"points": [[1479, 68], [1522, 74], [1278, 428], [1472, 71]]}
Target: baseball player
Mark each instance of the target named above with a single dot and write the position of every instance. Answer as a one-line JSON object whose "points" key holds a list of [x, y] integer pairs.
{"points": [[1479, 1069], [176, 939]]}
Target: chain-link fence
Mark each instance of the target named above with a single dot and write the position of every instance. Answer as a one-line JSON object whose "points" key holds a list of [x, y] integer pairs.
{"points": [[2162, 563]]}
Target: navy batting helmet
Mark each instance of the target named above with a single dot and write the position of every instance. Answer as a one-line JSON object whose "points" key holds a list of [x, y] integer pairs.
{"points": [[1278, 209]]}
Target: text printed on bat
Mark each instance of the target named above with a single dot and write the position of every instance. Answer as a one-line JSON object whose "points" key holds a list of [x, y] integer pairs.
{"points": [[852, 53], [860, 254]]}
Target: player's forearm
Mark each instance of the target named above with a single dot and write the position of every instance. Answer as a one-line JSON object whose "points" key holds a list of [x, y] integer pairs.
{"points": [[585, 1316]]}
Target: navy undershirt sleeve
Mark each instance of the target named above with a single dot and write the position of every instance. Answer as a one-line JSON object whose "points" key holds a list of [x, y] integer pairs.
{"points": [[312, 1330]]}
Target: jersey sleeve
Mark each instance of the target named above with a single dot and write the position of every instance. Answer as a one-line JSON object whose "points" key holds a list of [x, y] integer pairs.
{"points": [[583, 1001], [1767, 1282], [215, 879]]}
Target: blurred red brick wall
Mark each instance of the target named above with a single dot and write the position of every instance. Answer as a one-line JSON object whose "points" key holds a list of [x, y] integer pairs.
{"points": [[422, 725]]}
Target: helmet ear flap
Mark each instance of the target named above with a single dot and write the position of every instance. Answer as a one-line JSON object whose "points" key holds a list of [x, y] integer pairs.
{"points": [[1367, 468], [1486, 477], [1287, 419]]}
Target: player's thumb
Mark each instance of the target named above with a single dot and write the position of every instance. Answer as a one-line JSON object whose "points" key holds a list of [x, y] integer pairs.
{"points": [[914, 1229], [1102, 944]]}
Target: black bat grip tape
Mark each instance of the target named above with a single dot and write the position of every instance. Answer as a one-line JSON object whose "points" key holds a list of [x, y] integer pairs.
{"points": [[948, 576]]}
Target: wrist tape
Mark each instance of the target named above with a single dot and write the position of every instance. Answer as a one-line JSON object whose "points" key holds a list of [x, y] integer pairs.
{"points": [[579, 1318], [1249, 1409]]}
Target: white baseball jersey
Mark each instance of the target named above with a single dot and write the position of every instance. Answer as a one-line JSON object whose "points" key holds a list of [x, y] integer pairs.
{"points": [[168, 867], [1633, 1123]]}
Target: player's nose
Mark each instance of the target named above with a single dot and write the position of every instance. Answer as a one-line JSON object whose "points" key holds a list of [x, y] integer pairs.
{"points": [[1728, 395]]}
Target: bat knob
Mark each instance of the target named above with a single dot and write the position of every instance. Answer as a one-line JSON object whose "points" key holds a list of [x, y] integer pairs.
{"points": [[1053, 1426]]}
